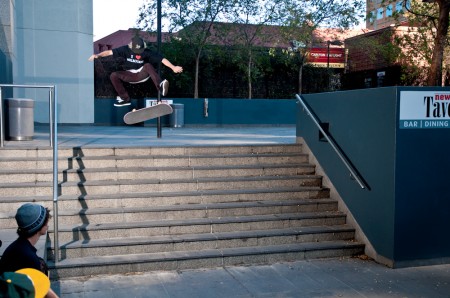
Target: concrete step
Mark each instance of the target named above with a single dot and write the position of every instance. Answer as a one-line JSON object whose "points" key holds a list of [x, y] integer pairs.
{"points": [[181, 260], [26, 189], [171, 212], [130, 214], [156, 185], [134, 161], [46, 175], [149, 151], [182, 161], [193, 242], [87, 231], [27, 176], [187, 172], [167, 198]]}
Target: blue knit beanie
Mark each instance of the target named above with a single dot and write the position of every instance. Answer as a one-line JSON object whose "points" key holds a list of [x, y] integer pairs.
{"points": [[30, 217]]}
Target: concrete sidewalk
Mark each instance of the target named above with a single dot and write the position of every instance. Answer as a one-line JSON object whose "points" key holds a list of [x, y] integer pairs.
{"points": [[139, 136], [312, 278]]}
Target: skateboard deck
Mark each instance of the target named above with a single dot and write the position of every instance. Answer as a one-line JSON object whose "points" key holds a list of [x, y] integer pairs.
{"points": [[148, 113]]}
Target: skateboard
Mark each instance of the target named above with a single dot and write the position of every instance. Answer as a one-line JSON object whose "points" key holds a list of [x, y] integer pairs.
{"points": [[148, 113]]}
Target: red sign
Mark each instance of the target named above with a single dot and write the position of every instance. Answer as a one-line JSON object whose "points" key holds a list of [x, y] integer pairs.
{"points": [[319, 57]]}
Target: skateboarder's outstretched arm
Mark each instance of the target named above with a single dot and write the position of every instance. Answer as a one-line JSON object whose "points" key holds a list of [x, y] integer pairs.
{"points": [[175, 69], [167, 63], [102, 54]]}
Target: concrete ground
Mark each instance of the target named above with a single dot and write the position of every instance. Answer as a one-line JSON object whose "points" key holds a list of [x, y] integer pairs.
{"points": [[136, 136], [312, 278]]}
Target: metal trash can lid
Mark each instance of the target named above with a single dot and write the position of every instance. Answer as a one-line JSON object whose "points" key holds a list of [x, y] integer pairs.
{"points": [[19, 102]]}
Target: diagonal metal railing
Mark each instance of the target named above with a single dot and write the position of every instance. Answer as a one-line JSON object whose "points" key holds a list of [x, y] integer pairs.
{"points": [[353, 172], [52, 103]]}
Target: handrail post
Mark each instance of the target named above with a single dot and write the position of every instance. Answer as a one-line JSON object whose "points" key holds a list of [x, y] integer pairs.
{"points": [[50, 112], [54, 129], [2, 121]]}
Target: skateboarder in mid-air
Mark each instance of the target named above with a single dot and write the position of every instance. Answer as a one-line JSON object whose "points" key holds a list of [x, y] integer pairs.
{"points": [[138, 68]]}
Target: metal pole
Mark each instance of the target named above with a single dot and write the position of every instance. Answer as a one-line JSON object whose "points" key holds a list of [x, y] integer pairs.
{"points": [[159, 134], [50, 112], [53, 92], [2, 121], [328, 64]]}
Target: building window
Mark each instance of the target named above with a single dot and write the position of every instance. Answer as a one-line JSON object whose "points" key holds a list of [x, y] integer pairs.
{"points": [[372, 16], [380, 13], [399, 6], [389, 10]]}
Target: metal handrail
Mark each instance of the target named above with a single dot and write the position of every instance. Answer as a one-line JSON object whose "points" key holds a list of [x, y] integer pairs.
{"points": [[353, 172], [52, 103]]}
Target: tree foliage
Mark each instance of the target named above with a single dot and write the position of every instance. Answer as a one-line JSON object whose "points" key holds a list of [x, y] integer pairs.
{"points": [[300, 19], [251, 18], [427, 38], [194, 17], [194, 20]]}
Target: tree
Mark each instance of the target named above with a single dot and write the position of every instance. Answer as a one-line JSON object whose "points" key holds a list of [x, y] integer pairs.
{"points": [[195, 18], [301, 40], [324, 13], [430, 22], [441, 24], [198, 25], [247, 33], [300, 20]]}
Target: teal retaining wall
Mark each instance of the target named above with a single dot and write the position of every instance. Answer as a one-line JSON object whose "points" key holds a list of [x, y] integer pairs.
{"points": [[221, 112], [405, 212]]}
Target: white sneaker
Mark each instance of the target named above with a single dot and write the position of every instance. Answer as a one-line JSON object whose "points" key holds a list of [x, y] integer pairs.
{"points": [[121, 102]]}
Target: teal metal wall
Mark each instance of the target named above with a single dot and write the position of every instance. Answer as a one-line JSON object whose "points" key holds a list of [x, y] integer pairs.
{"points": [[405, 213], [220, 112]]}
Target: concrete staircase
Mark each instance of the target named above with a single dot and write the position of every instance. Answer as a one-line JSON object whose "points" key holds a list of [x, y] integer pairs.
{"points": [[139, 209]]}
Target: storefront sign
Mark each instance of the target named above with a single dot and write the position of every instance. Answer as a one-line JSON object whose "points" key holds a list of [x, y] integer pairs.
{"points": [[319, 57], [424, 109]]}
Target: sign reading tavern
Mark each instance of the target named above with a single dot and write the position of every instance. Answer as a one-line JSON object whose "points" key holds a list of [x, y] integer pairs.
{"points": [[424, 109]]}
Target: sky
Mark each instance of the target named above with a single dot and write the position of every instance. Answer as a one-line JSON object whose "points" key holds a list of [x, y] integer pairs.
{"points": [[113, 15]]}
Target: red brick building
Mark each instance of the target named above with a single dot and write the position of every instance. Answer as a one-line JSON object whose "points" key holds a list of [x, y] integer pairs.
{"points": [[123, 37], [318, 53]]}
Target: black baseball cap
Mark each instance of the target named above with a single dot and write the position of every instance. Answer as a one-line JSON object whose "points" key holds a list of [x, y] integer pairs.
{"points": [[137, 45]]}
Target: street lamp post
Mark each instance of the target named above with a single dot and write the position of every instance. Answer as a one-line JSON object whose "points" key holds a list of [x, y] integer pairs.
{"points": [[158, 41], [328, 55]]}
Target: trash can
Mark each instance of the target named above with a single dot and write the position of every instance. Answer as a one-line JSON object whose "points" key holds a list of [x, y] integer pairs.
{"points": [[19, 119], [177, 116]]}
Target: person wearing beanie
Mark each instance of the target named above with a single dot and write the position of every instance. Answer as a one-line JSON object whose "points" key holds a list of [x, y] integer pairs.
{"points": [[32, 221], [138, 68]]}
